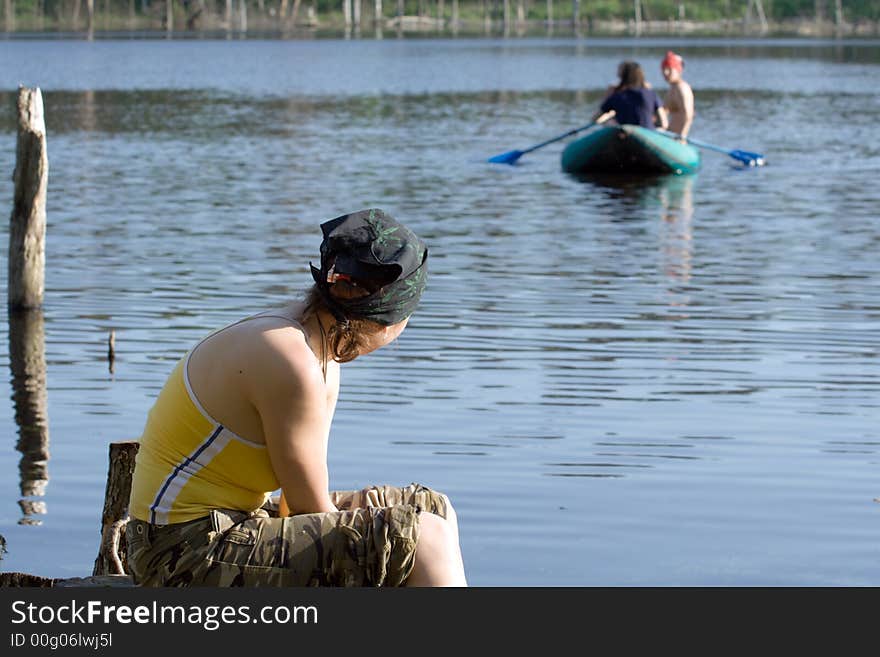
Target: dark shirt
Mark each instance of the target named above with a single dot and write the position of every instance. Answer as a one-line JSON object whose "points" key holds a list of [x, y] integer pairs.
{"points": [[633, 106]]}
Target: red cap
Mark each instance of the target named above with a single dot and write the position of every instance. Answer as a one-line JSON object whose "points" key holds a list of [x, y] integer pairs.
{"points": [[672, 61]]}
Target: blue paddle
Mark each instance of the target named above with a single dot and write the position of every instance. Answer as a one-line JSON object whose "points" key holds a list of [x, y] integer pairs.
{"points": [[510, 157], [746, 157]]}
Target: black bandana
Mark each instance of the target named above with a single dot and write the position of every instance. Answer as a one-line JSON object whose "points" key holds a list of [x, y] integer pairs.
{"points": [[372, 247]]}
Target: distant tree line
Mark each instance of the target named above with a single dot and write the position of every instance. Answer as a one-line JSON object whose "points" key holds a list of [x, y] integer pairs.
{"points": [[202, 14]]}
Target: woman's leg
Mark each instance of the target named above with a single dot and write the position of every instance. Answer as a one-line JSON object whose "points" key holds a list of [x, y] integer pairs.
{"points": [[438, 559]]}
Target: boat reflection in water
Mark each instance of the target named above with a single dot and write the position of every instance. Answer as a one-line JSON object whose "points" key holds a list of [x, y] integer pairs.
{"points": [[670, 199]]}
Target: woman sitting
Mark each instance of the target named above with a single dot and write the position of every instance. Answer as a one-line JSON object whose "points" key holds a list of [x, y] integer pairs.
{"points": [[248, 410], [632, 101]]}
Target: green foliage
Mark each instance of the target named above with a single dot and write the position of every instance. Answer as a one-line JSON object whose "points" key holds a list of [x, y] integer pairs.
{"points": [[45, 14]]}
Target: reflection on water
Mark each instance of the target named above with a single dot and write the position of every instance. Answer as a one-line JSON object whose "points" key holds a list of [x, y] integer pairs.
{"points": [[672, 196], [676, 242], [27, 363]]}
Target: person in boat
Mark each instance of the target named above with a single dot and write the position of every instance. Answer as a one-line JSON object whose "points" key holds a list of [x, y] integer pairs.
{"points": [[248, 411], [679, 100], [632, 101]]}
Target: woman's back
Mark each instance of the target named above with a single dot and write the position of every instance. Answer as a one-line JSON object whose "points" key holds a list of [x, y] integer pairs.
{"points": [[633, 106]]}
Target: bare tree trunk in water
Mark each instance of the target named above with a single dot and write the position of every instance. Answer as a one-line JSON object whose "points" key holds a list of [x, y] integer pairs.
{"points": [[242, 15], [549, 16], [506, 16], [228, 14], [377, 12], [169, 16], [838, 13], [90, 12], [520, 14], [27, 223], [294, 12], [441, 13], [27, 258], [576, 12], [74, 19], [455, 15]]}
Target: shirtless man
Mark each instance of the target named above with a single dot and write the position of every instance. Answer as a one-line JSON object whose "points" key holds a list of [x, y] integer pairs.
{"points": [[679, 101]]}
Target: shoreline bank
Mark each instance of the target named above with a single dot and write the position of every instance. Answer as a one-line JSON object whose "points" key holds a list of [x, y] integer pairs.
{"points": [[330, 26]]}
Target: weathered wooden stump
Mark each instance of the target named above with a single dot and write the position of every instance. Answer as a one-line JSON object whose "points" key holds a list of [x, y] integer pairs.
{"points": [[111, 566], [111, 558]]}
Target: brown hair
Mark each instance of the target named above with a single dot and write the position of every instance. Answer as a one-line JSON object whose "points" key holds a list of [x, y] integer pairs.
{"points": [[345, 338], [631, 76]]}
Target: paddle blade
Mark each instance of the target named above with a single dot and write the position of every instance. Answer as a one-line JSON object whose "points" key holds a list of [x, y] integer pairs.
{"points": [[506, 158], [749, 159]]}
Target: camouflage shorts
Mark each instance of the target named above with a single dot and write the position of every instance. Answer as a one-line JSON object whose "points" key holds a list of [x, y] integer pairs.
{"points": [[370, 541]]}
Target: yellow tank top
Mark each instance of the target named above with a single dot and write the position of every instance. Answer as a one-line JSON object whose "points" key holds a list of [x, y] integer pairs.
{"points": [[189, 464]]}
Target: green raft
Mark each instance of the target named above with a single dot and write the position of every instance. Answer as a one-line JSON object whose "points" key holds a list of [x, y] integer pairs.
{"points": [[629, 149]]}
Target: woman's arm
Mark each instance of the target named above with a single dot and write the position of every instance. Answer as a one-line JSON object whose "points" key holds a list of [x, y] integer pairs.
{"points": [[601, 117], [287, 390], [662, 118]]}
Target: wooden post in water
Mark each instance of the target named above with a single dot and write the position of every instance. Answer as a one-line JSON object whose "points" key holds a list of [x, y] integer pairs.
{"points": [[111, 349], [27, 225], [111, 558]]}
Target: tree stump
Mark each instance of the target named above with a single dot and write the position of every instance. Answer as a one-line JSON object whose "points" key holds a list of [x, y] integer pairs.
{"points": [[111, 558]]}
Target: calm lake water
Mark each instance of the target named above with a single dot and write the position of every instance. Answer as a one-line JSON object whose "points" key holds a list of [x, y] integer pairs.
{"points": [[656, 382]]}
